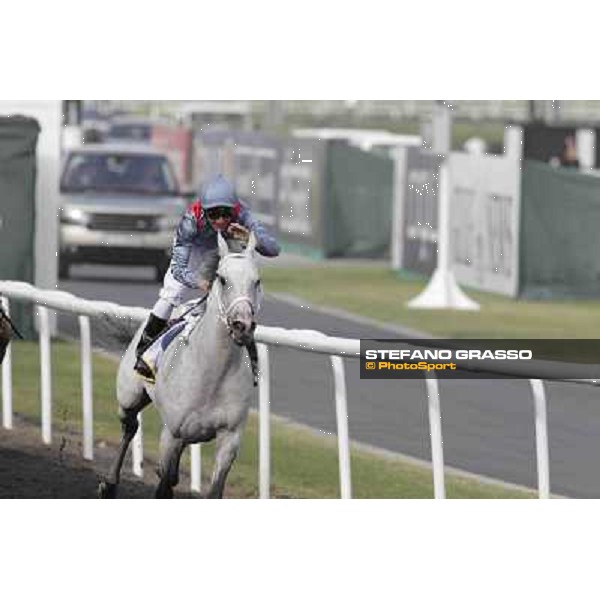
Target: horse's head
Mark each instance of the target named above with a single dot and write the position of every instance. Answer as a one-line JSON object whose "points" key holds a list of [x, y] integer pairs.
{"points": [[238, 290]]}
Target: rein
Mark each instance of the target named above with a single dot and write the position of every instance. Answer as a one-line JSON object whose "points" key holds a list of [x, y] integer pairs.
{"points": [[194, 306]]}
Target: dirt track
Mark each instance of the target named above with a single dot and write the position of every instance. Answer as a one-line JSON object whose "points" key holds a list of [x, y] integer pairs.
{"points": [[30, 469]]}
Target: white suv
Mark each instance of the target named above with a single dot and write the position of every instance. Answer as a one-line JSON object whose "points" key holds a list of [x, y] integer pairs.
{"points": [[120, 205]]}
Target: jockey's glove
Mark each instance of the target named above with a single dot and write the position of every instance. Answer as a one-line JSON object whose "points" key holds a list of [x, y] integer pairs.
{"points": [[238, 232]]}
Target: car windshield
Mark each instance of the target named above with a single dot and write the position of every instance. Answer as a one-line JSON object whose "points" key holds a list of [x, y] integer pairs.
{"points": [[113, 172], [140, 133]]}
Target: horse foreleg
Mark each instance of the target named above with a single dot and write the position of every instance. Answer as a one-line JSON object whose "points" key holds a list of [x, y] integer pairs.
{"points": [[168, 463], [228, 444], [129, 427]]}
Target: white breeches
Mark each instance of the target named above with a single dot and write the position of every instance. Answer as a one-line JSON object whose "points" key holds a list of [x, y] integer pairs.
{"points": [[172, 293]]}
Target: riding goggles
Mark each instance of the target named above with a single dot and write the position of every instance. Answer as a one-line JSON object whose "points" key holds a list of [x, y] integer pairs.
{"points": [[219, 211]]}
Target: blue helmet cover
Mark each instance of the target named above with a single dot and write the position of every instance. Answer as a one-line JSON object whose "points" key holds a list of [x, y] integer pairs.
{"points": [[218, 191]]}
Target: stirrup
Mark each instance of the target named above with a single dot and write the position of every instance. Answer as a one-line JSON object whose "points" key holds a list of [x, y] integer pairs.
{"points": [[144, 371]]}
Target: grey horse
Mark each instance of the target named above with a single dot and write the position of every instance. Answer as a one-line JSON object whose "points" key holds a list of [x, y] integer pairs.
{"points": [[204, 385]]}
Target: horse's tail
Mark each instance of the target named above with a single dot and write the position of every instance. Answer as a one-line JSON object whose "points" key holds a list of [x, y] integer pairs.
{"points": [[115, 332]]}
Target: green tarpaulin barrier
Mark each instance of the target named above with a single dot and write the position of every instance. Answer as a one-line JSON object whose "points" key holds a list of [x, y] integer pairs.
{"points": [[18, 139], [560, 232], [357, 215]]}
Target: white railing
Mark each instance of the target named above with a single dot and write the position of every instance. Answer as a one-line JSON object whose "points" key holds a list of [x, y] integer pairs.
{"points": [[305, 340], [311, 341]]}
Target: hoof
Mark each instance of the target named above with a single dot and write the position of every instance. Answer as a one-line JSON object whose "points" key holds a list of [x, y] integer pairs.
{"points": [[164, 493], [107, 490]]}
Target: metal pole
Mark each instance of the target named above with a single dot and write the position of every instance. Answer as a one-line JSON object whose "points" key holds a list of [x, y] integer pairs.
{"points": [[264, 425], [435, 432], [443, 290], [444, 229], [442, 127], [137, 449], [341, 414], [399, 199], [541, 437], [195, 468], [7, 409], [86, 388], [46, 374]]}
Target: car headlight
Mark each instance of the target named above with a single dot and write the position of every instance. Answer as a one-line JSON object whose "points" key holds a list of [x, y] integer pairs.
{"points": [[74, 216], [168, 223]]}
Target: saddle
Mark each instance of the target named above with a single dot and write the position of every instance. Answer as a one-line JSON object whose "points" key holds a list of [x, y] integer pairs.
{"points": [[182, 327]]}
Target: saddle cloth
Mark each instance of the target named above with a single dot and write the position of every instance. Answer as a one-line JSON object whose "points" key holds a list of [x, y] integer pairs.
{"points": [[181, 326]]}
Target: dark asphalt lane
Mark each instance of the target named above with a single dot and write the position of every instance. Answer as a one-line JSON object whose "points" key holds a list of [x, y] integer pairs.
{"points": [[488, 425]]}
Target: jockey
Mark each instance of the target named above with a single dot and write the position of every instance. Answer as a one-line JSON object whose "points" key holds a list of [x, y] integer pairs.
{"points": [[195, 255]]}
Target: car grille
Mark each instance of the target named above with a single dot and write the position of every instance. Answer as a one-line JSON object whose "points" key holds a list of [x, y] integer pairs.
{"points": [[111, 222]]}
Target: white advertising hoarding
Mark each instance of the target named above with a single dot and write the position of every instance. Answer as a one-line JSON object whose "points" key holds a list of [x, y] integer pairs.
{"points": [[484, 221]]}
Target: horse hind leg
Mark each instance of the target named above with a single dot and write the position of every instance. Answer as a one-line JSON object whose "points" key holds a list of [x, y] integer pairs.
{"points": [[170, 452], [228, 444], [129, 426]]}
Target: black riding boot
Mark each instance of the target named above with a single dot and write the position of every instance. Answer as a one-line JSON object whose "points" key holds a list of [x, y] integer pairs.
{"points": [[253, 355], [154, 326]]}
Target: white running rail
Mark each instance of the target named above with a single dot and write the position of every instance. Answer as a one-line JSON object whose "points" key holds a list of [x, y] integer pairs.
{"points": [[306, 340], [312, 341]]}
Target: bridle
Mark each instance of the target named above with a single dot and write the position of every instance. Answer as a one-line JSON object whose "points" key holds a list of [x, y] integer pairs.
{"points": [[225, 311]]}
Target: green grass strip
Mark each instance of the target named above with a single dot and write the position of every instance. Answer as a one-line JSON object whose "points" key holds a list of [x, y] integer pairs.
{"points": [[380, 293]]}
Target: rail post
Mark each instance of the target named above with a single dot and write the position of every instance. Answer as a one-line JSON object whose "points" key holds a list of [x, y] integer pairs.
{"points": [[341, 414], [86, 388], [46, 374], [264, 425], [541, 437], [137, 449], [435, 433], [195, 468]]}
